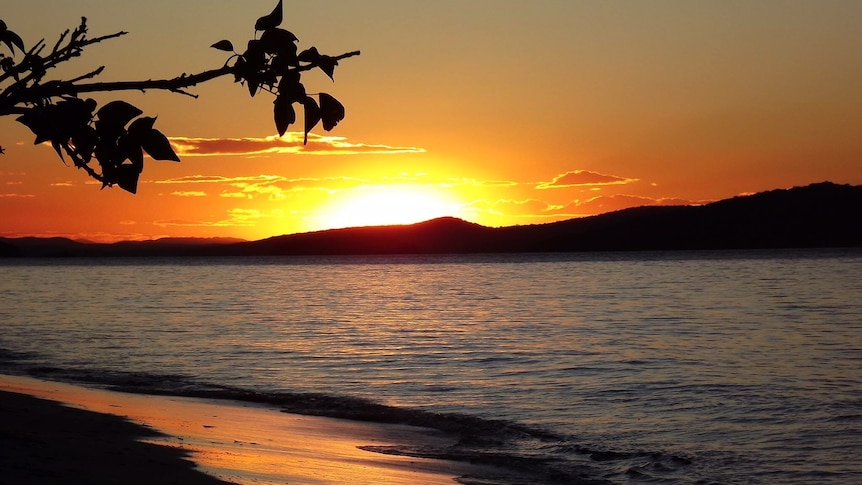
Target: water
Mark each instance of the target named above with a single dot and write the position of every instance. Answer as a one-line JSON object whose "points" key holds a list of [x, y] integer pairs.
{"points": [[718, 367]]}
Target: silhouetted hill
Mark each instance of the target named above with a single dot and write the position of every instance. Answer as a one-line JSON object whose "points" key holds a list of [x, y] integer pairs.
{"points": [[57, 247], [818, 215]]}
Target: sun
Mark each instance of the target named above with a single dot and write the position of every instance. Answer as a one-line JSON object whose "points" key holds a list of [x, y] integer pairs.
{"points": [[388, 205]]}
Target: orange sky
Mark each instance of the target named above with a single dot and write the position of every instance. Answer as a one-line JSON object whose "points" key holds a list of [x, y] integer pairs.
{"points": [[498, 112]]}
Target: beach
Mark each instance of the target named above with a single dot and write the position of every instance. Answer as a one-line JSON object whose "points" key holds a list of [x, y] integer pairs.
{"points": [[59, 433]]}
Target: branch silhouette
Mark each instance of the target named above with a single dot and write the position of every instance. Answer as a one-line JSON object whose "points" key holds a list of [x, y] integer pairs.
{"points": [[115, 136]]}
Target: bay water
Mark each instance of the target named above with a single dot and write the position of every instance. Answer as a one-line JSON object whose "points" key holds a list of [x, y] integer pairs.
{"points": [[677, 367]]}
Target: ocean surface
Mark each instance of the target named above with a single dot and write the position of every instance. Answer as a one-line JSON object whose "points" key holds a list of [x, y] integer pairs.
{"points": [[677, 367]]}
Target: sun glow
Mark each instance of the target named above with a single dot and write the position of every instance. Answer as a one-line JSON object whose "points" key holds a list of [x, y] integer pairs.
{"points": [[388, 205]]}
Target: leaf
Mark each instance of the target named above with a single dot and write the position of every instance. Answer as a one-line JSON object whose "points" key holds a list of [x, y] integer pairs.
{"points": [[131, 149], [126, 176], [38, 123], [156, 144], [272, 20], [291, 88], [58, 148], [223, 45], [85, 142], [252, 86], [11, 39], [309, 55], [327, 64], [331, 111], [276, 41], [284, 114], [312, 116], [140, 127], [117, 113]]}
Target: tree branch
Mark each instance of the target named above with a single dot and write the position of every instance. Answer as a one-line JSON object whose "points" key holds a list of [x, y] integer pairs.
{"points": [[311, 66], [176, 85]]}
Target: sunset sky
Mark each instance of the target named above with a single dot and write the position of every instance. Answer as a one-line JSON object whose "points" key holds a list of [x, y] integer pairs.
{"points": [[497, 112]]}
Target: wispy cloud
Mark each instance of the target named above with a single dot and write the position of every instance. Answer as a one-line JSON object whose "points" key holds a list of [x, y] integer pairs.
{"points": [[277, 187], [610, 203], [537, 209], [577, 178], [189, 193], [235, 218], [291, 142], [18, 196]]}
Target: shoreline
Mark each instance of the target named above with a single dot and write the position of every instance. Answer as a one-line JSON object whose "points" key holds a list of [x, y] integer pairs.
{"points": [[71, 434], [46, 442]]}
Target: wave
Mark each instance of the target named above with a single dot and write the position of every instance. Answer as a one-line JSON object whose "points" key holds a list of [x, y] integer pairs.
{"points": [[525, 454]]}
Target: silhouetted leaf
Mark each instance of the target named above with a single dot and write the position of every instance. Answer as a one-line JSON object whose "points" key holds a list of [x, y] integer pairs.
{"points": [[38, 123], [140, 127], [312, 116], [276, 41], [117, 113], [280, 64], [254, 55], [11, 39], [291, 88], [84, 142], [252, 85], [240, 70], [126, 176], [156, 144], [284, 114], [69, 117], [331, 111], [309, 55], [223, 45], [58, 147], [272, 20], [327, 64], [130, 148]]}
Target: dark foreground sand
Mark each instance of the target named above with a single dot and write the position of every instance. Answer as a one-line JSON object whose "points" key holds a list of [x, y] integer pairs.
{"points": [[95, 437], [45, 442]]}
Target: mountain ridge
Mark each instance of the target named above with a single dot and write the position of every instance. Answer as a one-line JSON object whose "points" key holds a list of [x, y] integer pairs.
{"points": [[817, 215]]}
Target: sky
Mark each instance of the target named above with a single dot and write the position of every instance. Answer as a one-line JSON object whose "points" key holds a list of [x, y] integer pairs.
{"points": [[497, 112]]}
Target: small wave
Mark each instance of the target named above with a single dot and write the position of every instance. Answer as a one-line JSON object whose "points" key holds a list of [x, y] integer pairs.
{"points": [[529, 454]]}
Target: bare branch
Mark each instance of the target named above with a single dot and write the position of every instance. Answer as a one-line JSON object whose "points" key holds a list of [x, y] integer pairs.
{"points": [[313, 65]]}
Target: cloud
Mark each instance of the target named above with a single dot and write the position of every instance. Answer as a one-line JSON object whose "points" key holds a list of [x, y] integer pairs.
{"points": [[291, 142], [273, 192], [277, 187], [541, 209], [235, 218], [610, 203], [583, 177], [19, 196], [521, 207], [190, 193]]}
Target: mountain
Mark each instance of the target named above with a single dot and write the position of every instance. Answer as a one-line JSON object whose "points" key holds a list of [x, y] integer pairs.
{"points": [[817, 215], [64, 247]]}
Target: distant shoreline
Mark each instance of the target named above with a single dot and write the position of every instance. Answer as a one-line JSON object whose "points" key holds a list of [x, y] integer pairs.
{"points": [[823, 215]]}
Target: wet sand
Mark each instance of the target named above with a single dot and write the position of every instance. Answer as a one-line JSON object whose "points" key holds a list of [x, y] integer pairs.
{"points": [[100, 436]]}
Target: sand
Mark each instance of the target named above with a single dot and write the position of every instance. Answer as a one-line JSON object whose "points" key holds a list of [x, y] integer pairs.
{"points": [[99, 436]]}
